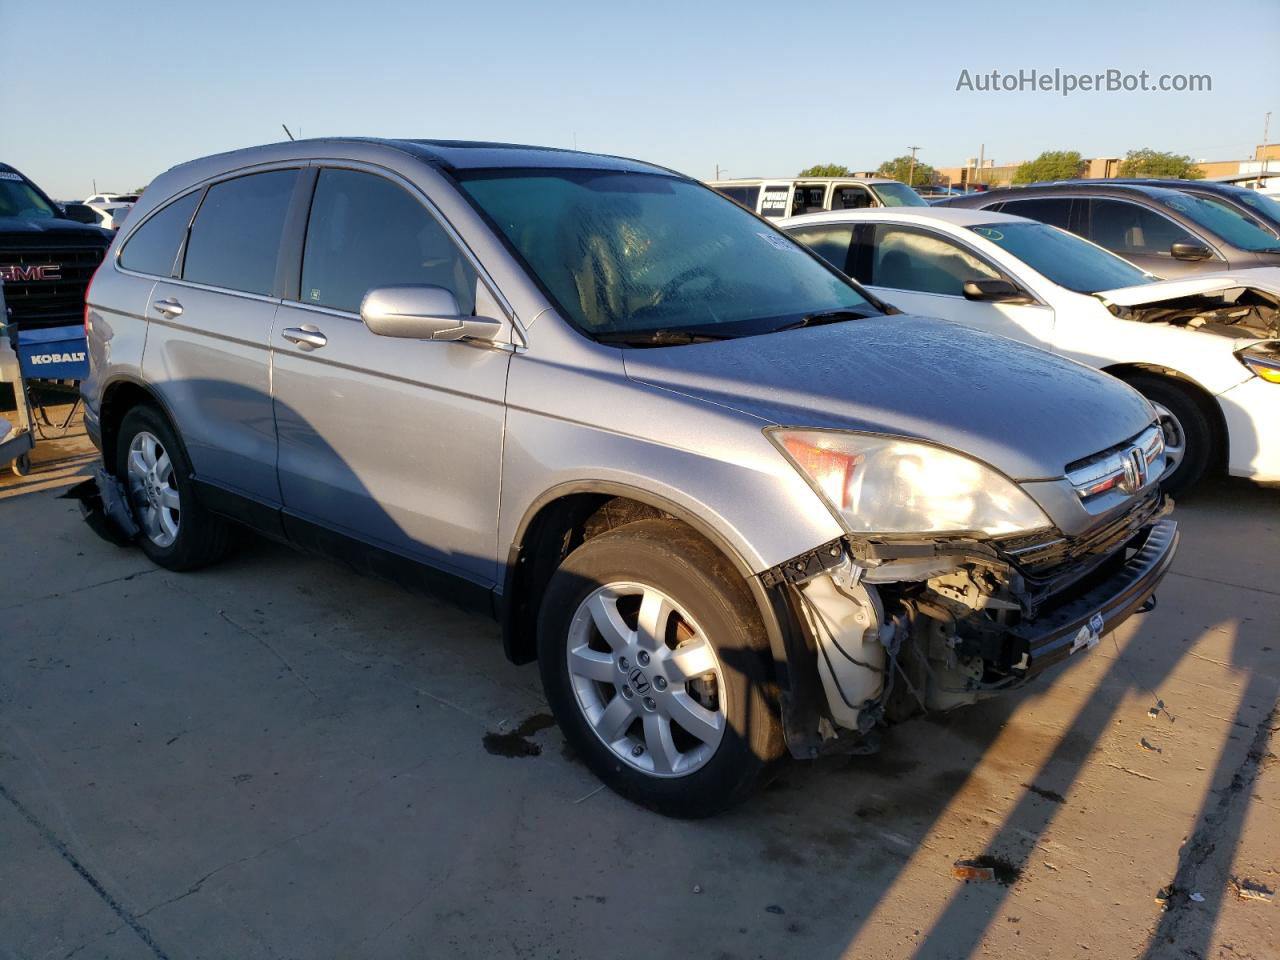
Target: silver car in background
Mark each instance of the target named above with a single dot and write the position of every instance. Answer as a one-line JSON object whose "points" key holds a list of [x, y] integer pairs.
{"points": [[732, 504]]}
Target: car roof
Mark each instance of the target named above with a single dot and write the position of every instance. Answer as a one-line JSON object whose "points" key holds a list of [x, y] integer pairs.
{"points": [[957, 216], [1179, 185], [748, 181], [1102, 188], [452, 154]]}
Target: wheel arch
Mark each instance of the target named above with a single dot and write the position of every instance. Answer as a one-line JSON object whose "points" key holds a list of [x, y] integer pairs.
{"points": [[119, 396], [566, 516], [1193, 388]]}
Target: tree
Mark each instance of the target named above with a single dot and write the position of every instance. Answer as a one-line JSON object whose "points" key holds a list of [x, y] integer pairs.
{"points": [[826, 170], [899, 168], [1050, 165], [1156, 163]]}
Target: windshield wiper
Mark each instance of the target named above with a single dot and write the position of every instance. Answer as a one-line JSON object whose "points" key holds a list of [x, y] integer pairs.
{"points": [[659, 338], [824, 317]]}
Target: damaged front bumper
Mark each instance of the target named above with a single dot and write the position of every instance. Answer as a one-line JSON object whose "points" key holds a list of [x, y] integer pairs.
{"points": [[892, 629]]}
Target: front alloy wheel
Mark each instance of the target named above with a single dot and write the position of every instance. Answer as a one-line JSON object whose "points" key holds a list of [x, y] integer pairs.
{"points": [[646, 679], [656, 664]]}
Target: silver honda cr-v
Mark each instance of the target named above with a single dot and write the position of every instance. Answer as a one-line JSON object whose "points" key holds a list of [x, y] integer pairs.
{"points": [[731, 503]]}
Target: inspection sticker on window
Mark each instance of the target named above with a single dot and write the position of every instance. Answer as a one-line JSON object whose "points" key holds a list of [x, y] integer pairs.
{"points": [[1089, 634], [774, 240]]}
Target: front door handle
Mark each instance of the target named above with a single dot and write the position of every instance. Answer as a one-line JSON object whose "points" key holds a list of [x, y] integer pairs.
{"points": [[170, 308], [307, 336]]}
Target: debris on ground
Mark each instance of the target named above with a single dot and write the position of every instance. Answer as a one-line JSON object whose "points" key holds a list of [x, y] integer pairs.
{"points": [[986, 869], [1247, 889], [1159, 709], [774, 908], [1197, 897], [697, 888]]}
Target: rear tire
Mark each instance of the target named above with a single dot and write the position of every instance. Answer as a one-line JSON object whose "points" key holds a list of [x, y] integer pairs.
{"points": [[1188, 417], [177, 533], [684, 723]]}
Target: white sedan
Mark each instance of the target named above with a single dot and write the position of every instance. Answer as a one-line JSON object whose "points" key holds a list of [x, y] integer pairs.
{"points": [[1205, 350]]}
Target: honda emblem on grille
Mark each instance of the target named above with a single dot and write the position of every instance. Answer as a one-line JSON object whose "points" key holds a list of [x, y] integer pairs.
{"points": [[18, 273], [1135, 470]]}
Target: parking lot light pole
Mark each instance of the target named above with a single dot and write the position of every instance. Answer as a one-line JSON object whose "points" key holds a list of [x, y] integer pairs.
{"points": [[911, 175]]}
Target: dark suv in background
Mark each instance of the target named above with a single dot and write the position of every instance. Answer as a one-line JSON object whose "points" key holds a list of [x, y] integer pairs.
{"points": [[1253, 205], [1166, 232], [46, 258]]}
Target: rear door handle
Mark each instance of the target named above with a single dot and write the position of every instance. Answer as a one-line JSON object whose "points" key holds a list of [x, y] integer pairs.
{"points": [[170, 308], [308, 337]]}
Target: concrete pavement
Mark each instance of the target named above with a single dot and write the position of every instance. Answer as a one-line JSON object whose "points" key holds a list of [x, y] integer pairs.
{"points": [[278, 758]]}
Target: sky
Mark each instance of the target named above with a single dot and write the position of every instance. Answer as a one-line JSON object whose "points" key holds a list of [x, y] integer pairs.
{"points": [[118, 92]]}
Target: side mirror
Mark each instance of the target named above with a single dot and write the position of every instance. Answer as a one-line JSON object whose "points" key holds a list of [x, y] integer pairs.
{"points": [[1190, 251], [993, 291], [81, 213], [419, 312]]}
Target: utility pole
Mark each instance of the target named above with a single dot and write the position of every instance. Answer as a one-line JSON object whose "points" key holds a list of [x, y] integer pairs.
{"points": [[911, 175], [286, 131], [982, 156], [719, 171]]}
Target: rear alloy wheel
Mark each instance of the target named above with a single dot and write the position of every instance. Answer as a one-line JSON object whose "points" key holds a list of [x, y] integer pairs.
{"points": [[153, 490], [655, 662], [176, 532]]}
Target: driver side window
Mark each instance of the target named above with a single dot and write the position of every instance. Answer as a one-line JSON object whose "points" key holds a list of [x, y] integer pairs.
{"points": [[366, 232], [905, 258]]}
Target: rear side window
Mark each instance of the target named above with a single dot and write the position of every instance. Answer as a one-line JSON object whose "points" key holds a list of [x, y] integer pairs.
{"points": [[775, 201], [807, 200], [365, 232], [236, 236], [851, 198], [1128, 228], [830, 241], [1055, 211], [907, 259], [747, 196], [154, 246]]}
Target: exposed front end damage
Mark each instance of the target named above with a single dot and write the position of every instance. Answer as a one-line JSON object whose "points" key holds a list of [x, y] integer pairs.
{"points": [[897, 627], [1245, 313]]}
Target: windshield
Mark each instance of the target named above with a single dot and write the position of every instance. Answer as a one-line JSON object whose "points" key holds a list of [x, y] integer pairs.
{"points": [[19, 199], [898, 195], [641, 252], [1226, 223], [1063, 257], [1267, 206]]}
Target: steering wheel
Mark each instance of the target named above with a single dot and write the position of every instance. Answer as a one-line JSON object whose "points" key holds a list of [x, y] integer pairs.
{"points": [[682, 280]]}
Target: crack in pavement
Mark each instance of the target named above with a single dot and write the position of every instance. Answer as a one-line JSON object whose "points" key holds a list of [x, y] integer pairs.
{"points": [[62, 850], [1226, 583], [27, 601], [1201, 845]]}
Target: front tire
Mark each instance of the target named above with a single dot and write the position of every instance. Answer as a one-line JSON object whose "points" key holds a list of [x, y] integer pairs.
{"points": [[177, 532], [655, 662], [1188, 432]]}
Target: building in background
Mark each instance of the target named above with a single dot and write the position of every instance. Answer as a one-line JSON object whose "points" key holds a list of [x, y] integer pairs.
{"points": [[1266, 159]]}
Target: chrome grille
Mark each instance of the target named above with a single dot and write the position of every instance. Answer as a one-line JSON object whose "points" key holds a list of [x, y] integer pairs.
{"points": [[34, 301], [1126, 468]]}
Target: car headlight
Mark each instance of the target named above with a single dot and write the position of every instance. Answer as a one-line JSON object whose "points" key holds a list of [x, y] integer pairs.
{"points": [[1263, 359], [877, 484]]}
